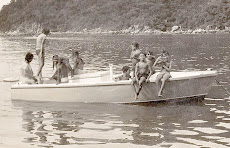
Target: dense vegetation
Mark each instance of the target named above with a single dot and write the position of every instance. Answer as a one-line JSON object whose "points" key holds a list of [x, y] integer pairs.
{"points": [[76, 15]]}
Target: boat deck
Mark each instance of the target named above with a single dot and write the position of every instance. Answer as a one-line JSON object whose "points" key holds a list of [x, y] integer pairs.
{"points": [[103, 78]]}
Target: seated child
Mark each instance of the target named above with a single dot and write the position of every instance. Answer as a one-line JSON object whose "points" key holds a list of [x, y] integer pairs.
{"points": [[78, 63], [26, 71], [142, 74], [150, 60], [166, 65], [62, 69], [125, 74]]}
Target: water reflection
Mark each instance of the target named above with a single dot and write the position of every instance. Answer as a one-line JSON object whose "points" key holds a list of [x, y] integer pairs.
{"points": [[82, 123]]}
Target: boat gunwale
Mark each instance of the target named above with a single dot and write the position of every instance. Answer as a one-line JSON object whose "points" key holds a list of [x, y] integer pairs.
{"points": [[107, 83]]}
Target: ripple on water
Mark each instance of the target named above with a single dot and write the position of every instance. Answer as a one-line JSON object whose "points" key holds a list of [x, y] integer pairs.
{"points": [[209, 130], [201, 143], [226, 125], [197, 121], [114, 134], [184, 132]]}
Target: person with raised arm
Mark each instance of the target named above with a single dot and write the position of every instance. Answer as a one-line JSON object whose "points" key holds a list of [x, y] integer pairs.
{"points": [[166, 66]]}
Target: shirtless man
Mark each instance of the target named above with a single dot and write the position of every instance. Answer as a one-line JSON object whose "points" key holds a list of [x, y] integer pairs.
{"points": [[142, 74], [63, 69], [40, 51]]}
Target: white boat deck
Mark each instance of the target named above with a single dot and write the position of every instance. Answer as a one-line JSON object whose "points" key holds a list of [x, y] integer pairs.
{"points": [[103, 78]]}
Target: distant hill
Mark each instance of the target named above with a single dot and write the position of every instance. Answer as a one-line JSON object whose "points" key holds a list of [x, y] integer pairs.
{"points": [[77, 15]]}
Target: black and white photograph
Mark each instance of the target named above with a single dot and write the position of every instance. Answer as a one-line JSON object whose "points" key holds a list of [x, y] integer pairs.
{"points": [[114, 73]]}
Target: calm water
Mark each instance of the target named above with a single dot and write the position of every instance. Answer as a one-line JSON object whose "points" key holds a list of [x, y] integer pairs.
{"points": [[41, 124]]}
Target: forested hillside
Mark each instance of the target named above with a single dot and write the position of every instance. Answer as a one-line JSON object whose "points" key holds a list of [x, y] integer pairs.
{"points": [[77, 15]]}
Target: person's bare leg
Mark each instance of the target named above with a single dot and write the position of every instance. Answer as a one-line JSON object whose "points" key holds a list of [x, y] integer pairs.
{"points": [[142, 80], [158, 79], [162, 86], [165, 77], [133, 86], [39, 73]]}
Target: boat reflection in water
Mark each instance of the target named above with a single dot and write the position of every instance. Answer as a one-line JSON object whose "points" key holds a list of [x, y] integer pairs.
{"points": [[161, 125]]}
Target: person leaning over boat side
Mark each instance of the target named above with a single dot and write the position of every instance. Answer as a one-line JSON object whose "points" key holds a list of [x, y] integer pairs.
{"points": [[40, 51], [26, 71], [78, 63], [150, 59], [142, 73], [125, 74], [62, 69], [134, 55], [166, 66]]}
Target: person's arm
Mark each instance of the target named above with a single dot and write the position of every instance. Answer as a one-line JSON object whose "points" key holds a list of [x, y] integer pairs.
{"points": [[150, 73], [27, 75], [135, 73], [56, 71], [168, 68], [131, 56], [117, 78], [70, 69], [155, 63]]}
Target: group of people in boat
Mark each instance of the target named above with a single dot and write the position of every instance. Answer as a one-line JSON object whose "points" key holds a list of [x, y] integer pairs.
{"points": [[62, 64], [143, 66]]}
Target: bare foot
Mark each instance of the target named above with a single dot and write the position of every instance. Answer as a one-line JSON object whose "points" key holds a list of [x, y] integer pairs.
{"points": [[39, 80], [159, 95], [136, 97]]}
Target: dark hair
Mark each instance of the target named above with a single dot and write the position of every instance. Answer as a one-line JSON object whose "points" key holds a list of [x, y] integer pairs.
{"points": [[46, 31], [76, 53], [29, 57], [142, 53], [125, 69], [135, 44], [55, 57], [151, 53], [165, 52]]}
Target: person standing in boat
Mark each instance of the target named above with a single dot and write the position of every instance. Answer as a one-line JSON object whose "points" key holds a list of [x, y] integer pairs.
{"points": [[78, 63], [142, 74], [134, 55], [40, 51], [26, 76], [63, 69], [166, 66]]}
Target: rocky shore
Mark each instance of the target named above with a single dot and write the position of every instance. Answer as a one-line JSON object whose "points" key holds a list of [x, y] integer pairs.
{"points": [[134, 30]]}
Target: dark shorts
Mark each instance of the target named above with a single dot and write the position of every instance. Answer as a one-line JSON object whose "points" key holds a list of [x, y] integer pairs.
{"points": [[142, 75]]}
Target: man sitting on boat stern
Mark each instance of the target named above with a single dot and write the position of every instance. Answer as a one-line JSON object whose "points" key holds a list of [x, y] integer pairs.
{"points": [[166, 66], [62, 69], [142, 74], [26, 76]]}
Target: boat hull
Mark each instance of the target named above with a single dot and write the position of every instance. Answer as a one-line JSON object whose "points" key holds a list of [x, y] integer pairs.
{"points": [[116, 92]]}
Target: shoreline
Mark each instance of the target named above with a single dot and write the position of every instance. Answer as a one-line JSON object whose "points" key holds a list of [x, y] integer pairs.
{"points": [[119, 32]]}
